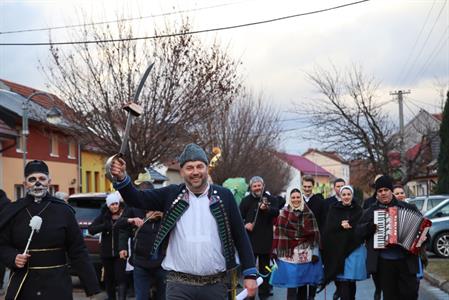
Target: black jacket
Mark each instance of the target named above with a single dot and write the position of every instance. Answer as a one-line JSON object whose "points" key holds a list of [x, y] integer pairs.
{"points": [[316, 205], [142, 239], [337, 242], [366, 230], [327, 203], [261, 236], [59, 237], [104, 224]]}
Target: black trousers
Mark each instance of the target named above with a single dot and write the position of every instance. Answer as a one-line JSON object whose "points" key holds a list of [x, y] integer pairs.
{"points": [[114, 274], [301, 293], [396, 281], [264, 260], [347, 290]]}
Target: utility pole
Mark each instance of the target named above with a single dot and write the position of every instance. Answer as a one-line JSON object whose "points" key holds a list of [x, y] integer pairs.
{"points": [[399, 94]]}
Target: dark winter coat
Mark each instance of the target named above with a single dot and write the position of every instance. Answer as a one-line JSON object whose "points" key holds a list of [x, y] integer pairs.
{"points": [[59, 237], [142, 239], [104, 224], [327, 203], [261, 236], [316, 205], [365, 229], [338, 242]]}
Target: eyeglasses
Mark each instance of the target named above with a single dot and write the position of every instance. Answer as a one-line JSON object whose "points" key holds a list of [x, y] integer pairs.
{"points": [[33, 179]]}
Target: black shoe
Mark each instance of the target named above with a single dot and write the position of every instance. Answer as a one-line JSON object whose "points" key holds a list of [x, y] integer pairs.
{"points": [[377, 295]]}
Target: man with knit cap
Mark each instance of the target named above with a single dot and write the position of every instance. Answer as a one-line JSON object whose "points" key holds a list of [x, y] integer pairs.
{"points": [[258, 210], [42, 272], [395, 267], [200, 230]]}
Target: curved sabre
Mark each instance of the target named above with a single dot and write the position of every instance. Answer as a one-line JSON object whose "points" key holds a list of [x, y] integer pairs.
{"points": [[130, 115]]}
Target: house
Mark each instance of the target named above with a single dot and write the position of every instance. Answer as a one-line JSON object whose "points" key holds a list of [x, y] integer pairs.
{"points": [[93, 175], [422, 144], [301, 166], [170, 170], [331, 161], [51, 142]]}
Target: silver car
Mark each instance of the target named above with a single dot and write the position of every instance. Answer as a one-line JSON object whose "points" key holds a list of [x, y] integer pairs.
{"points": [[426, 203], [439, 232]]}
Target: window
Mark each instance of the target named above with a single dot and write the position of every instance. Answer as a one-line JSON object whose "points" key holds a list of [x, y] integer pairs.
{"points": [[54, 145], [19, 191], [97, 181], [434, 202], [71, 191], [419, 203], [88, 181], [53, 189], [72, 150]]}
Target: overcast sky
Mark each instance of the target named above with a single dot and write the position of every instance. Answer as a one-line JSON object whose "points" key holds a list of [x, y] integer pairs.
{"points": [[403, 44]]}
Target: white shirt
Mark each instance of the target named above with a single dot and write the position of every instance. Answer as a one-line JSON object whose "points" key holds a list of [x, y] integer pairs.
{"points": [[194, 246]]}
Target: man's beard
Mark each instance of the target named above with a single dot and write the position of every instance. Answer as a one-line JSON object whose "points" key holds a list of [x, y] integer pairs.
{"points": [[38, 190]]}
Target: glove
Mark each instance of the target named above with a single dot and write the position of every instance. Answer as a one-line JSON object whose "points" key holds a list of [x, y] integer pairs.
{"points": [[315, 259]]}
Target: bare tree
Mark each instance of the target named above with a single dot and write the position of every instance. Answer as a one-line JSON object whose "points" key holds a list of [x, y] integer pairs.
{"points": [[248, 135], [189, 83], [348, 118]]}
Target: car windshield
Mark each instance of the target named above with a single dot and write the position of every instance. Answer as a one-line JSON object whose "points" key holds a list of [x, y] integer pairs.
{"points": [[443, 207], [87, 209], [418, 202]]}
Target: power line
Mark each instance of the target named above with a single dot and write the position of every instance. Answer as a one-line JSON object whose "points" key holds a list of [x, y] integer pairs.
{"points": [[417, 39], [186, 33], [438, 47], [120, 20], [425, 42]]}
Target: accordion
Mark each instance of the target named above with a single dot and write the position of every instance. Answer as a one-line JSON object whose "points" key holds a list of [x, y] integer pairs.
{"points": [[400, 226]]}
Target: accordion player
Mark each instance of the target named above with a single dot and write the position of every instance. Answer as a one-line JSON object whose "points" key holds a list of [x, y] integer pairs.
{"points": [[400, 226]]}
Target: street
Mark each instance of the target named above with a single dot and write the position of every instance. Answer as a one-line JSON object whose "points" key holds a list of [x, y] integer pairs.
{"points": [[365, 290]]}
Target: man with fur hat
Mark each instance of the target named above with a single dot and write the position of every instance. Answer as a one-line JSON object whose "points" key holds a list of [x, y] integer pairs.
{"points": [[199, 232], [42, 272], [395, 267]]}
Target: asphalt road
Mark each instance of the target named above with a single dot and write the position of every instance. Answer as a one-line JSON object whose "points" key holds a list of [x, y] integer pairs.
{"points": [[365, 290]]}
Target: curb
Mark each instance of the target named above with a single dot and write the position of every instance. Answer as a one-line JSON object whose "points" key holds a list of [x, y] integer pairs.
{"points": [[437, 281]]}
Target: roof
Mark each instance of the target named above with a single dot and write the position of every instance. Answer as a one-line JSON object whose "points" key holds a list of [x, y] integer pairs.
{"points": [[156, 176], [330, 154], [42, 100], [173, 165], [439, 116], [302, 164], [11, 109]]}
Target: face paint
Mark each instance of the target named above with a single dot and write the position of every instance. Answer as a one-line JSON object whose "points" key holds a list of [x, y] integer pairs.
{"points": [[37, 185]]}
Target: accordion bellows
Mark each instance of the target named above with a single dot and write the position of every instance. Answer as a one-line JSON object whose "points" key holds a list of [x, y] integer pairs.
{"points": [[400, 226]]}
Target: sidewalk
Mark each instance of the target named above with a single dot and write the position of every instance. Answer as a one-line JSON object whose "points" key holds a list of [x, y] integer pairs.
{"points": [[437, 281]]}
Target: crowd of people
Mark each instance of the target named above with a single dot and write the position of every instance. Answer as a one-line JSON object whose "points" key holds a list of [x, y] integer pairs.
{"points": [[192, 240]]}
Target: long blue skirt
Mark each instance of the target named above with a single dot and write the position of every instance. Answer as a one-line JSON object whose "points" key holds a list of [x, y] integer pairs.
{"points": [[289, 275], [355, 265]]}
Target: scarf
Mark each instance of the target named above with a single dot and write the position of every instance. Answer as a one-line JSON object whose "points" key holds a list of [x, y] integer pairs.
{"points": [[295, 228]]}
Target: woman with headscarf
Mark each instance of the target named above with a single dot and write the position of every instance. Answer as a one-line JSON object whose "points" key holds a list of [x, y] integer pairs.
{"points": [[114, 265], [296, 247], [344, 254]]}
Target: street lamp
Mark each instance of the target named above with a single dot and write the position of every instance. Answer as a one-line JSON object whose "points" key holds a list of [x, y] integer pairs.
{"points": [[53, 117]]}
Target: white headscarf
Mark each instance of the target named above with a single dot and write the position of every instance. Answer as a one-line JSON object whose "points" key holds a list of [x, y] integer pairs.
{"points": [[114, 197]]}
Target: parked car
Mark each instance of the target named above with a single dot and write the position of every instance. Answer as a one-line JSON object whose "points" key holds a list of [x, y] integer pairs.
{"points": [[426, 203], [439, 232], [87, 207]]}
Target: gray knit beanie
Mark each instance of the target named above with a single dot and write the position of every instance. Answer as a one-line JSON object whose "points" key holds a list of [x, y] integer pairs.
{"points": [[192, 152]]}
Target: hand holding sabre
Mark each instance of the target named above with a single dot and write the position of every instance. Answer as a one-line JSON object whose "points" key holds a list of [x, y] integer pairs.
{"points": [[118, 168]]}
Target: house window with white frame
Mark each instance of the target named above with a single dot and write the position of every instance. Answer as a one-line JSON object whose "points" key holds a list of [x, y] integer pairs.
{"points": [[54, 145], [19, 141], [19, 191], [72, 149]]}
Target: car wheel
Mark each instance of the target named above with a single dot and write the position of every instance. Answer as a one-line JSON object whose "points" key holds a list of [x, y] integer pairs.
{"points": [[441, 244]]}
